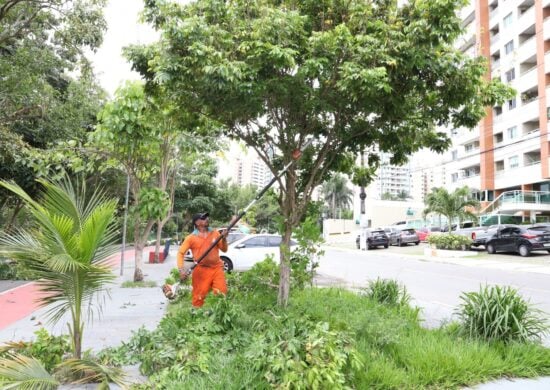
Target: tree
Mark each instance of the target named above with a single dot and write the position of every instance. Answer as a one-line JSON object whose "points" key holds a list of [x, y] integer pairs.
{"points": [[349, 75], [453, 205], [337, 194], [67, 248], [47, 89]]}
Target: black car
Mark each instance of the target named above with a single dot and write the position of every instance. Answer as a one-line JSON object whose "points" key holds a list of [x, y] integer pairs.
{"points": [[377, 237], [518, 239]]}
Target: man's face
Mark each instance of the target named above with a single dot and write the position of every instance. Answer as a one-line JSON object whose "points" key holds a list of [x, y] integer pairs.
{"points": [[202, 222]]}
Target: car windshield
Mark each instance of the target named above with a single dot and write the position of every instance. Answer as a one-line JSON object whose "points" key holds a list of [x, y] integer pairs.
{"points": [[378, 232], [408, 231]]}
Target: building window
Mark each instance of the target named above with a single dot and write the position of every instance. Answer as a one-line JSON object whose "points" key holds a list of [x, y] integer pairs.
{"points": [[498, 138], [497, 110], [511, 104], [509, 47], [510, 75], [512, 132], [513, 162], [454, 177], [454, 155], [508, 20]]}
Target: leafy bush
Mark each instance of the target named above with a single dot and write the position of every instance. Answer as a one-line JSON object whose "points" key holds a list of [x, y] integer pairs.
{"points": [[7, 270], [388, 292], [449, 241], [500, 314], [46, 348], [304, 259], [303, 354]]}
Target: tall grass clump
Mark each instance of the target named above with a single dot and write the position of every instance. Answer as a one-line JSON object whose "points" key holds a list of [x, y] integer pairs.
{"points": [[388, 292], [500, 314]]}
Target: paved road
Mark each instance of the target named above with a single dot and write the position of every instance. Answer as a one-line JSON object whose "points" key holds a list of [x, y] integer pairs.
{"points": [[436, 286]]}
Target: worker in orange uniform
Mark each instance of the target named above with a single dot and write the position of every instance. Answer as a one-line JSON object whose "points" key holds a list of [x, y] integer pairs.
{"points": [[208, 274]]}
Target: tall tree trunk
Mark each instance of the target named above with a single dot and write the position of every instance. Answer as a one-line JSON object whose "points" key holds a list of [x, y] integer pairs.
{"points": [[157, 243], [138, 247]]}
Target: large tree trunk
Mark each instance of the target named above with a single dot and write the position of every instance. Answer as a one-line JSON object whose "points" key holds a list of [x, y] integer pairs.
{"points": [[290, 212]]}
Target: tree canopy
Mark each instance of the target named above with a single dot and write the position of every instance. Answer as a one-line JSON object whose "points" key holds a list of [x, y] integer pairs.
{"points": [[349, 74]]}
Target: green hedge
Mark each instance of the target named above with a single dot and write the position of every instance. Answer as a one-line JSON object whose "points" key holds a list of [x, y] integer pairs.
{"points": [[449, 241]]}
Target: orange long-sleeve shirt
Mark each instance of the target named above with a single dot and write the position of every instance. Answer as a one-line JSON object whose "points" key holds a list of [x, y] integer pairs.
{"points": [[199, 245]]}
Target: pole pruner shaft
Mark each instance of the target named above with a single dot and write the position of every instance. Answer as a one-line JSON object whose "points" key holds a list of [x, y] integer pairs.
{"points": [[295, 156]]}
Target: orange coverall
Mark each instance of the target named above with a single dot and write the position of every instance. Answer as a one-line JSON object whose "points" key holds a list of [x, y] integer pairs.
{"points": [[208, 274]]}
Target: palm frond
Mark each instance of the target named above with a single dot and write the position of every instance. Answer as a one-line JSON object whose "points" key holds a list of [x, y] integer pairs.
{"points": [[89, 371], [59, 199], [22, 372]]}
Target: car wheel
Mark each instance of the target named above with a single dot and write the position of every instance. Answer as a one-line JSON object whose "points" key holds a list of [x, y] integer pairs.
{"points": [[524, 250], [416, 243], [386, 246], [491, 249], [227, 264]]}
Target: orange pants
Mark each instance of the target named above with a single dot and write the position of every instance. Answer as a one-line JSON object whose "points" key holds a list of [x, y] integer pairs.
{"points": [[205, 279]]}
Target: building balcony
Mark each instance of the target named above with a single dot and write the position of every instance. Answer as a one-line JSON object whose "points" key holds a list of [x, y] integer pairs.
{"points": [[526, 20], [517, 176], [546, 29], [527, 80], [547, 63], [470, 181], [527, 49], [525, 112], [468, 12]]}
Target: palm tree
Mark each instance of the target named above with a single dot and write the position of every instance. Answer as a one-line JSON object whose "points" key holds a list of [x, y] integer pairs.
{"points": [[336, 193], [67, 247], [450, 204]]}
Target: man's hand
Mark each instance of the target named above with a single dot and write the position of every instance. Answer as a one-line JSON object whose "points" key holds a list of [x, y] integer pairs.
{"points": [[183, 275]]}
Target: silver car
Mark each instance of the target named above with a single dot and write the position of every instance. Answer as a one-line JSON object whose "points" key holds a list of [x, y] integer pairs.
{"points": [[404, 236]]}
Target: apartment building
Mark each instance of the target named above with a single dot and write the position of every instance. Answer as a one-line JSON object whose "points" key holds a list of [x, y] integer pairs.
{"points": [[507, 156]]}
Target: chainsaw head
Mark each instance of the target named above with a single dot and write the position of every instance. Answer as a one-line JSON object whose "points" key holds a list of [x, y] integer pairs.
{"points": [[169, 291]]}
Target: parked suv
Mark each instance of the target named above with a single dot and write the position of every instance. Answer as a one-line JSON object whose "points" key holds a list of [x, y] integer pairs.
{"points": [[376, 237], [404, 237], [518, 239]]}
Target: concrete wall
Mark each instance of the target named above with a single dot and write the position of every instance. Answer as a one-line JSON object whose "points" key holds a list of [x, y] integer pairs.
{"points": [[386, 212]]}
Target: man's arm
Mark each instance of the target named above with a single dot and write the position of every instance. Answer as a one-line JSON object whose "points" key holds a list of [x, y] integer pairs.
{"points": [[184, 247]]}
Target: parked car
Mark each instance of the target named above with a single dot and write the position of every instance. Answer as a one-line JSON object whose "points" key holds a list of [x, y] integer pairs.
{"points": [[404, 236], [480, 234], [376, 238], [251, 249], [231, 237], [518, 239], [424, 232]]}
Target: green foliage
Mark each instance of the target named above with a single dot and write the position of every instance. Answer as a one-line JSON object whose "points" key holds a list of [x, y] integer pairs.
{"points": [[7, 270], [453, 205], [46, 348], [141, 284], [23, 372], [337, 194], [153, 203], [449, 241], [388, 292], [304, 259], [498, 313], [302, 354]]}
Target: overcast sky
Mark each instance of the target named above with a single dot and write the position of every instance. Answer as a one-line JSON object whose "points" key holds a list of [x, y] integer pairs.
{"points": [[123, 29]]}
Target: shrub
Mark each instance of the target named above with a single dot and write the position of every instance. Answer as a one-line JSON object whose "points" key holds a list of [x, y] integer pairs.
{"points": [[46, 348], [303, 355], [388, 292], [449, 241], [500, 314]]}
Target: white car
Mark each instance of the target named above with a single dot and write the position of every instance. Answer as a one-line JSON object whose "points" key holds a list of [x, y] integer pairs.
{"points": [[244, 253]]}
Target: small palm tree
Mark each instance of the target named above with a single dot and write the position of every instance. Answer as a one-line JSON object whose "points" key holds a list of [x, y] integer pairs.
{"points": [[450, 204], [336, 193], [67, 248]]}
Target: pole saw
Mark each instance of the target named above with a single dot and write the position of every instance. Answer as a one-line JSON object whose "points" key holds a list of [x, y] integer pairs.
{"points": [[170, 291]]}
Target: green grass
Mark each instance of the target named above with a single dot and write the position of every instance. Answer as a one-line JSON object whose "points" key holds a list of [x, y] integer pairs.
{"points": [[214, 344], [143, 283]]}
